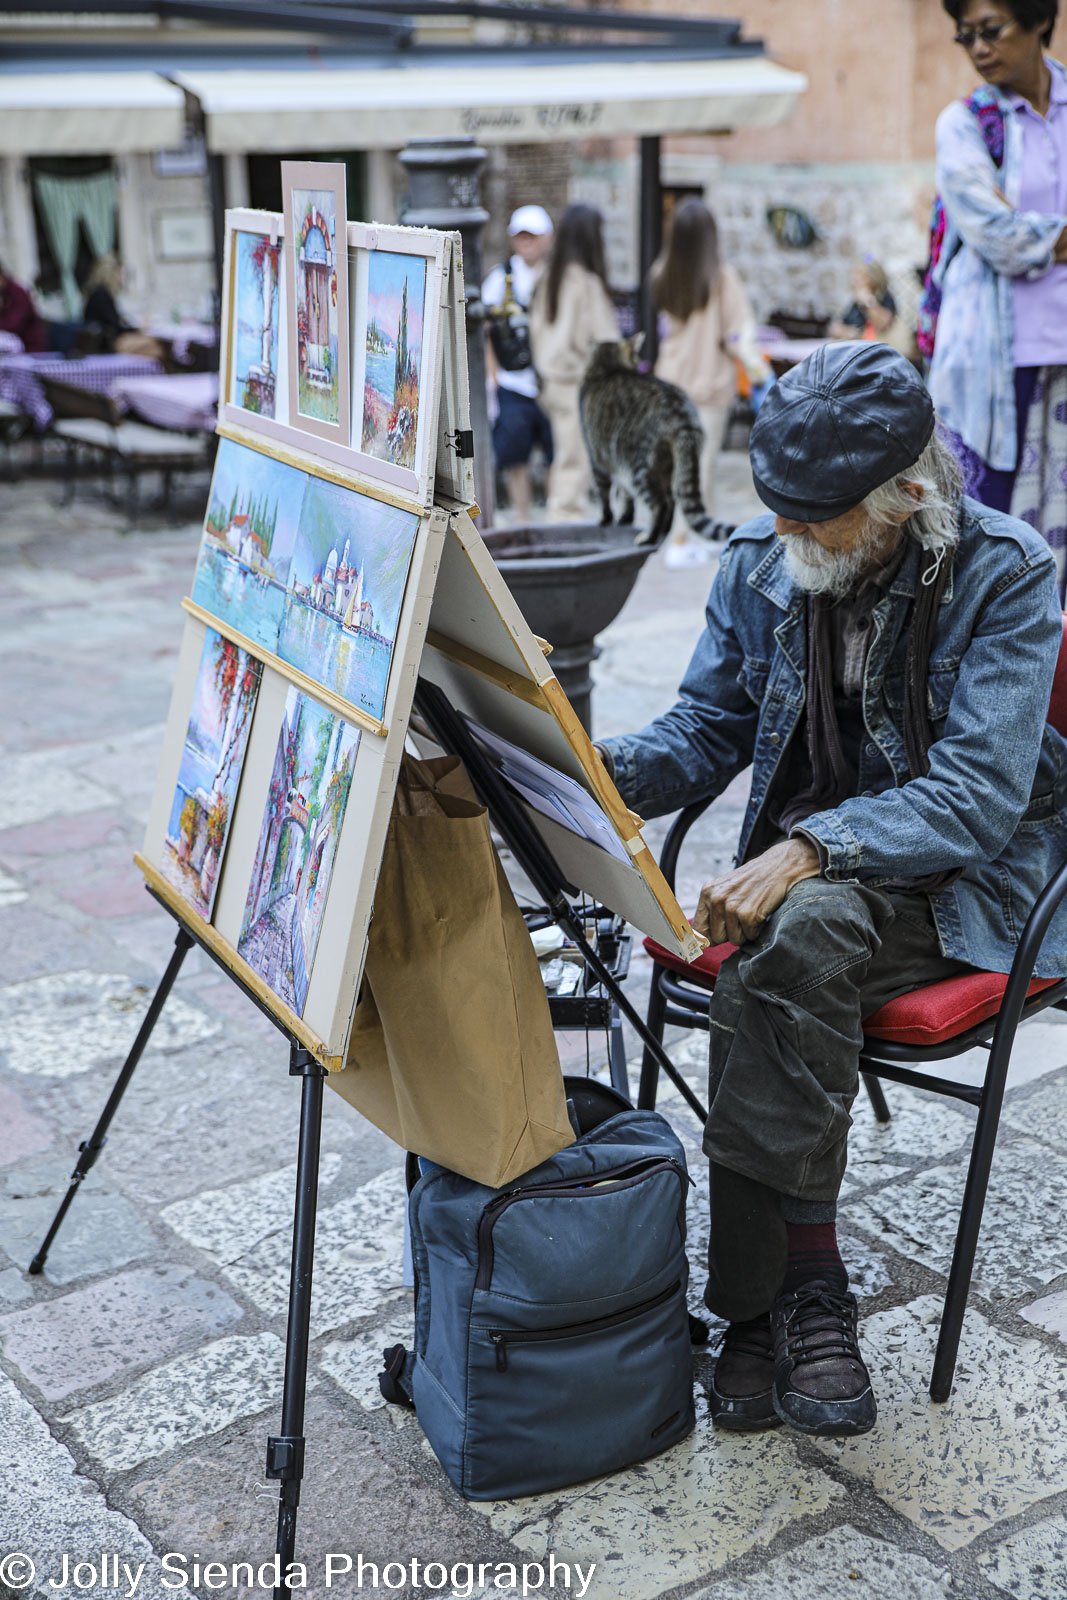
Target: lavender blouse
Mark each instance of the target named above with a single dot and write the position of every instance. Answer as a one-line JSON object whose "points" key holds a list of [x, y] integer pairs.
{"points": [[1041, 303]]}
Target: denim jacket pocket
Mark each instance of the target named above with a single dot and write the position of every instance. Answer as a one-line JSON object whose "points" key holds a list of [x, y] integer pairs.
{"points": [[753, 678]]}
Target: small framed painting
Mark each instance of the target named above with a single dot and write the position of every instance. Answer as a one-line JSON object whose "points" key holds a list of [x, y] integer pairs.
{"points": [[316, 243], [254, 317]]}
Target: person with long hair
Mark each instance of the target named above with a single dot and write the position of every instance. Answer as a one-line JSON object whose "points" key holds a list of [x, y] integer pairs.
{"points": [[998, 374], [571, 312], [709, 328], [103, 321]]}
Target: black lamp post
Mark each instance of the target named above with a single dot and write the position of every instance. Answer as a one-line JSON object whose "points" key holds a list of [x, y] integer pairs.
{"points": [[444, 192]]}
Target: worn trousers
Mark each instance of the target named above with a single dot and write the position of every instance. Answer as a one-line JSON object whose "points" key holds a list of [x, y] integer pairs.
{"points": [[787, 1026]]}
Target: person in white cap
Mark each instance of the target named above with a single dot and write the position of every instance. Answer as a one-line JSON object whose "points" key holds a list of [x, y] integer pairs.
{"points": [[520, 425]]}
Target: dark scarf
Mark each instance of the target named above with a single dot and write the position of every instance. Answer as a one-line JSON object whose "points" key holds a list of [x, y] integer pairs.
{"points": [[830, 779]]}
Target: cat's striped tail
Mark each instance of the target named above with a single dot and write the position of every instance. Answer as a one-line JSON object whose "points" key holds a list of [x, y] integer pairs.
{"points": [[685, 486]]}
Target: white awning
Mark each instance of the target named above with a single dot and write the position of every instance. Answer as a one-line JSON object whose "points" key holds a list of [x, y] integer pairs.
{"points": [[324, 108], [83, 113]]}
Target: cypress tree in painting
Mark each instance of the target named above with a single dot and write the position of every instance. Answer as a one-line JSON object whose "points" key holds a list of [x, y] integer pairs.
{"points": [[401, 370]]}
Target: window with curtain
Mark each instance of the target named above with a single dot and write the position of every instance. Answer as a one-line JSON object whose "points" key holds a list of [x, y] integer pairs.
{"points": [[75, 213]]}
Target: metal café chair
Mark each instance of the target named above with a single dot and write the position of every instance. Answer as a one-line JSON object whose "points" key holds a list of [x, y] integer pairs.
{"points": [[933, 1024]]}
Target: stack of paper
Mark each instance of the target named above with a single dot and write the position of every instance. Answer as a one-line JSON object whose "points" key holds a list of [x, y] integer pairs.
{"points": [[550, 791]]}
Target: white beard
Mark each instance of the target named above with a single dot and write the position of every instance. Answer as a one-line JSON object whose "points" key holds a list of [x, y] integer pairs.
{"points": [[832, 572]]}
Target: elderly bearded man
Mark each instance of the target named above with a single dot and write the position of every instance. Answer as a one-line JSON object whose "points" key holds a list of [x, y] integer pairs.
{"points": [[881, 652]]}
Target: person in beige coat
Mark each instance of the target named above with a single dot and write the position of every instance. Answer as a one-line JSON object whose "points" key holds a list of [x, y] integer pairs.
{"points": [[709, 329], [570, 313]]}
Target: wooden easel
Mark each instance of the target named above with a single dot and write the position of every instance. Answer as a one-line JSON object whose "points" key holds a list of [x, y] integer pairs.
{"points": [[464, 654]]}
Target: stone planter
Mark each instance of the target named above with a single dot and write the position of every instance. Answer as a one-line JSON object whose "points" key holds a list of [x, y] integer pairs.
{"points": [[570, 580]]}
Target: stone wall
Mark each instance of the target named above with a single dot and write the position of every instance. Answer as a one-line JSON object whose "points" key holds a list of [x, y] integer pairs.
{"points": [[875, 209]]}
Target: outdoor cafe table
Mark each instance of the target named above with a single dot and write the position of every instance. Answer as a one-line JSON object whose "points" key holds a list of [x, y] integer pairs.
{"points": [[182, 401], [181, 336], [21, 375]]}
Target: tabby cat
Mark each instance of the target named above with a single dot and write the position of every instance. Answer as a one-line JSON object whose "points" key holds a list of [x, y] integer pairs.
{"points": [[645, 435]]}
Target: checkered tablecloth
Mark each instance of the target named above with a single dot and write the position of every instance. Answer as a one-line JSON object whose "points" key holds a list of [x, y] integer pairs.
{"points": [[181, 336], [20, 377], [184, 401]]}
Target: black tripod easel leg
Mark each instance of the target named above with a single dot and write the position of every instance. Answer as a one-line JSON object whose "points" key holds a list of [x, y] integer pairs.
{"points": [[285, 1451], [90, 1148]]}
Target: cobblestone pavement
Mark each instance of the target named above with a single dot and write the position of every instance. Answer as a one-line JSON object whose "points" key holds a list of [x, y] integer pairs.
{"points": [[140, 1376]]}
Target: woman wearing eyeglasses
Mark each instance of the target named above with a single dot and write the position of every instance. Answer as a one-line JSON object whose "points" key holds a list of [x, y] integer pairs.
{"points": [[998, 374]]}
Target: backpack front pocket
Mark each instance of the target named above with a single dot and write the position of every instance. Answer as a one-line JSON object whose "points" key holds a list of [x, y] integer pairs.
{"points": [[553, 1405]]}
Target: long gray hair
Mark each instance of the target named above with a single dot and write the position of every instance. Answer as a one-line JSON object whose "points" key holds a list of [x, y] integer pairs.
{"points": [[934, 522]]}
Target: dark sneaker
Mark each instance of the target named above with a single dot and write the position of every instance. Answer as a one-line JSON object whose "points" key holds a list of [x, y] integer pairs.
{"points": [[820, 1382], [742, 1385]]}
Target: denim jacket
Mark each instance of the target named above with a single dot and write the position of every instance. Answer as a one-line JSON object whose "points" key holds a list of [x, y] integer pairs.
{"points": [[986, 245], [994, 802]]}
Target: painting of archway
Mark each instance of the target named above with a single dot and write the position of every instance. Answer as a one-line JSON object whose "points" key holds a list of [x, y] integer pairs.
{"points": [[298, 839], [316, 237]]}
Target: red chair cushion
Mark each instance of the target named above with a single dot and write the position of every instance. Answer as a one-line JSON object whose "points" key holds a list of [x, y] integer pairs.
{"points": [[942, 1010], [923, 1017], [703, 971]]}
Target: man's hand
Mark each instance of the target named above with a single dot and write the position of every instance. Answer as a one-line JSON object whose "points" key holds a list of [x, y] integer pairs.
{"points": [[735, 908]]}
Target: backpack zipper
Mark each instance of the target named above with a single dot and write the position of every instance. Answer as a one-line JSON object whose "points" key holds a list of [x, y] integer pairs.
{"points": [[502, 1337], [574, 1188]]}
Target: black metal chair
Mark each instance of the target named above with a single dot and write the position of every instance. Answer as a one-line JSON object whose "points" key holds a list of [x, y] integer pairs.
{"points": [[933, 1024]]}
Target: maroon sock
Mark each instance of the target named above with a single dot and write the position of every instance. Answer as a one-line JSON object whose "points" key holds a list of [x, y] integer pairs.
{"points": [[813, 1253]]}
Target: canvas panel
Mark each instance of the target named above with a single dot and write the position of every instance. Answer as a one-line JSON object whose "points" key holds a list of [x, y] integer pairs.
{"points": [[213, 751], [307, 569], [297, 845], [317, 324]]}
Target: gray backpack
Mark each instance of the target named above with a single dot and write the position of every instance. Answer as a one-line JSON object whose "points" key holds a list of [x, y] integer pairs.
{"points": [[552, 1341]]}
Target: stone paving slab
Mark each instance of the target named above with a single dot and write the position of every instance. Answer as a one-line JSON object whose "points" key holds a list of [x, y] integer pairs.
{"points": [[181, 1401], [360, 1496], [1049, 1313], [1032, 1564], [356, 1361], [226, 1223], [114, 1328], [102, 1232], [358, 1258], [49, 1507], [839, 1563], [711, 1499], [24, 1133], [42, 785], [71, 1022], [998, 1446], [1022, 1246]]}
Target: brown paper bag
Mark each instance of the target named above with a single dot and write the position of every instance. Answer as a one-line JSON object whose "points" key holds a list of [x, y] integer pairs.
{"points": [[452, 1052]]}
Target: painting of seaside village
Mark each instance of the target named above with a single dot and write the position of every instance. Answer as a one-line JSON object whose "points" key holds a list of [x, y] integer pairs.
{"points": [[298, 840], [396, 291], [347, 576], [255, 323], [314, 234], [212, 759], [306, 569], [249, 533]]}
